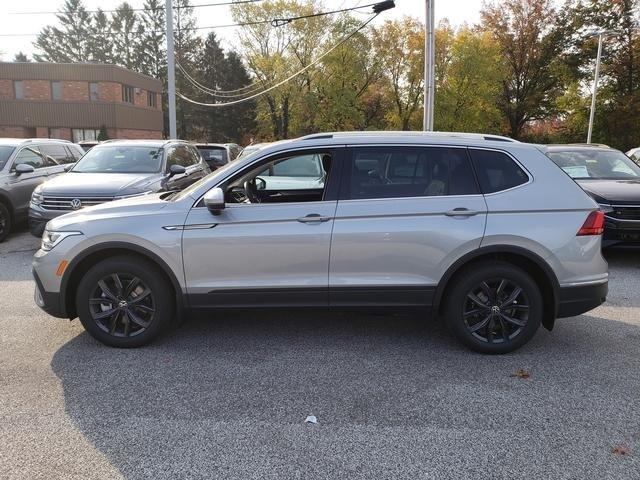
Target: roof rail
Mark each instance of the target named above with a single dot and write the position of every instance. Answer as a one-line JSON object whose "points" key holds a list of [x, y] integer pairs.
{"points": [[409, 133]]}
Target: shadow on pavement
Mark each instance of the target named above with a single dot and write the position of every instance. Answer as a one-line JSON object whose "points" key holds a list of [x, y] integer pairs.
{"points": [[226, 397]]}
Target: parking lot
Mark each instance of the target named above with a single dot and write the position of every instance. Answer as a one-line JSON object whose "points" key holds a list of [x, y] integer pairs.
{"points": [[395, 397]]}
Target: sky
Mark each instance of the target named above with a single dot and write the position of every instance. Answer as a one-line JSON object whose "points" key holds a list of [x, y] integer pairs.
{"points": [[457, 11]]}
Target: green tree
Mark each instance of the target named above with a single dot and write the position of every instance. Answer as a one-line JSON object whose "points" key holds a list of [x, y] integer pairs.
{"points": [[21, 57], [102, 134], [100, 43], [126, 37], [67, 42]]}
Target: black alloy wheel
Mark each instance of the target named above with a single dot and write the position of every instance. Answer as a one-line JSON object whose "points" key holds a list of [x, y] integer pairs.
{"points": [[5, 222]]}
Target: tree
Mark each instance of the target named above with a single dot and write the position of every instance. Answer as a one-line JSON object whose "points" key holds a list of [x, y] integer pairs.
{"points": [[151, 47], [21, 57], [69, 41], [102, 134], [126, 37], [399, 45], [529, 43], [100, 44]]}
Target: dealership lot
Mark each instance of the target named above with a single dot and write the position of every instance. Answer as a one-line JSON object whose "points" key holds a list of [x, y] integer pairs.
{"points": [[394, 397]]}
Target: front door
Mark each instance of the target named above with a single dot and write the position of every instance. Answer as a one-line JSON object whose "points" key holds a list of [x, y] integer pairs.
{"points": [[23, 185], [404, 213], [269, 246]]}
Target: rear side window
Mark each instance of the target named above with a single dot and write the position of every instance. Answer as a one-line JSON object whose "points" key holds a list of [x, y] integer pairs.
{"points": [[496, 171], [56, 154], [396, 172]]}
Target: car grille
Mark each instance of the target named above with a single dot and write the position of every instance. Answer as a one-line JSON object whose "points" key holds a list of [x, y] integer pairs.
{"points": [[65, 203], [625, 212]]}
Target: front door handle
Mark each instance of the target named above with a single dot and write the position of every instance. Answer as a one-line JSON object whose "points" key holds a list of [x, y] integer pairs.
{"points": [[314, 218], [461, 212]]}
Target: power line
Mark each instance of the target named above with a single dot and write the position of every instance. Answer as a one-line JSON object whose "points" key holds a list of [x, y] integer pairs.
{"points": [[218, 4], [290, 77]]}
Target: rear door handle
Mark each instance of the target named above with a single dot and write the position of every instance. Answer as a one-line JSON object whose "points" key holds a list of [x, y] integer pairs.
{"points": [[314, 218], [461, 212]]}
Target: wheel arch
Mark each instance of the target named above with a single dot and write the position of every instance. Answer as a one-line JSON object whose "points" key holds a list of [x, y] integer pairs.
{"points": [[6, 201], [83, 262], [532, 263]]}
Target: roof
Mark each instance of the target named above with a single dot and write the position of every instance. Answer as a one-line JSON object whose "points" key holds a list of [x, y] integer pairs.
{"points": [[403, 134], [20, 141], [577, 146], [139, 143]]}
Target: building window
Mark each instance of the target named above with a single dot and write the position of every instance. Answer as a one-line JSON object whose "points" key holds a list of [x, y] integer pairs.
{"points": [[93, 92], [151, 100], [127, 94], [80, 134], [17, 89], [56, 91], [55, 132]]}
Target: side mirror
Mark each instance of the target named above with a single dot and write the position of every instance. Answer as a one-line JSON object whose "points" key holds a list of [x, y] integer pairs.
{"points": [[176, 170], [68, 166], [214, 200], [24, 168]]}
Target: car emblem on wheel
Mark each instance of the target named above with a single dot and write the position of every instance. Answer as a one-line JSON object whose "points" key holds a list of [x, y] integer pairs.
{"points": [[76, 203]]}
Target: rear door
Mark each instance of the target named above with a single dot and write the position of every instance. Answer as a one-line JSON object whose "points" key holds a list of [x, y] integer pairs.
{"points": [[21, 186], [404, 214], [56, 157]]}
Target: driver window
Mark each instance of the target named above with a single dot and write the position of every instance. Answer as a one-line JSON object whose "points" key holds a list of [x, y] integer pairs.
{"points": [[298, 178]]}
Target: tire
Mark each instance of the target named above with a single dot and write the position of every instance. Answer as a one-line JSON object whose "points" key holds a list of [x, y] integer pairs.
{"points": [[5, 222], [125, 301], [485, 311]]}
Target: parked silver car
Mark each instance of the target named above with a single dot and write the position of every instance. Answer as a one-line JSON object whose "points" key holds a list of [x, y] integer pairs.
{"points": [[488, 234], [116, 169], [25, 164]]}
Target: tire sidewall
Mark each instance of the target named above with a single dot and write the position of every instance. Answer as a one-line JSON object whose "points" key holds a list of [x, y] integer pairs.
{"points": [[4, 213], [471, 278], [150, 275]]}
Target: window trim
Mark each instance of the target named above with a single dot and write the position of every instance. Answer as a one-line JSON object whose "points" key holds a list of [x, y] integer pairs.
{"points": [[346, 175], [126, 88], [16, 154], [524, 169], [154, 103]]}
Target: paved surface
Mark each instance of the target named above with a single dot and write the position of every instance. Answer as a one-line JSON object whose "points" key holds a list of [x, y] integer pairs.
{"points": [[394, 397]]}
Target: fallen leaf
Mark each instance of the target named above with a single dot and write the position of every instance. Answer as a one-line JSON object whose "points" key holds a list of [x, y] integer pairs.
{"points": [[311, 419], [521, 373], [620, 450]]}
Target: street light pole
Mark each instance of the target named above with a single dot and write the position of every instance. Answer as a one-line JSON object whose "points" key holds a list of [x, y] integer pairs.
{"points": [[429, 66], [171, 71], [595, 87]]}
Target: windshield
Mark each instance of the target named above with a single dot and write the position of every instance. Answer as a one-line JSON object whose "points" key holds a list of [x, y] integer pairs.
{"points": [[120, 159], [597, 164], [5, 153], [216, 155]]}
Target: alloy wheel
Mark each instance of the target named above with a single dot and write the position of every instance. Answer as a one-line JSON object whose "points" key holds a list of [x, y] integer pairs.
{"points": [[122, 305], [496, 310]]}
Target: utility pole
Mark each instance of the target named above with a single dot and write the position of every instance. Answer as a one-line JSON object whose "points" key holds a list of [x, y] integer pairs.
{"points": [[429, 66], [171, 71], [595, 87]]}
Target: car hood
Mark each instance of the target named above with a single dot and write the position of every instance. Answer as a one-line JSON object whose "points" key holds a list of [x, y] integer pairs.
{"points": [[142, 205], [612, 191], [99, 184]]}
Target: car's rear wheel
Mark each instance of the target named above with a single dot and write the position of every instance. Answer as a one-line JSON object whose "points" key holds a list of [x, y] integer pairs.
{"points": [[5, 222], [494, 307], [124, 301]]}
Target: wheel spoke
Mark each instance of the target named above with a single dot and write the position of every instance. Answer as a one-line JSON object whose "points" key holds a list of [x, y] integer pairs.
{"points": [[118, 283], [480, 325], [114, 323], [127, 324], [104, 314], [500, 289], [136, 319], [139, 298], [491, 296], [106, 290], [100, 301], [474, 298], [144, 308], [490, 329], [513, 321], [503, 327], [512, 298], [135, 281]]}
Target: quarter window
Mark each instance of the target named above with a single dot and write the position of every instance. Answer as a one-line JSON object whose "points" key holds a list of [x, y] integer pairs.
{"points": [[496, 171], [29, 156], [396, 172]]}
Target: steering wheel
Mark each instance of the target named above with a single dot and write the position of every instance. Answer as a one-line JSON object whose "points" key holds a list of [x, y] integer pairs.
{"points": [[251, 191]]}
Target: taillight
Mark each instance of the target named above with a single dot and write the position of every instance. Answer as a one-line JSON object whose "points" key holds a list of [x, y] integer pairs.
{"points": [[593, 225]]}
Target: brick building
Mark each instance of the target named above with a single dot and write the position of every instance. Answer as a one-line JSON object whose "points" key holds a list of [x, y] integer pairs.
{"points": [[74, 100]]}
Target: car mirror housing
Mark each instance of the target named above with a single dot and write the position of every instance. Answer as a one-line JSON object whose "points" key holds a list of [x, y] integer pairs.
{"points": [[24, 168], [176, 170], [214, 200]]}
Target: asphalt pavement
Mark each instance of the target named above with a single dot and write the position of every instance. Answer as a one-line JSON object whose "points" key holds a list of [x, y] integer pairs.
{"points": [[395, 396]]}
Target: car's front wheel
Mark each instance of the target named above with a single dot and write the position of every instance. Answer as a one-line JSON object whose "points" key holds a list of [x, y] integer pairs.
{"points": [[5, 222], [124, 301], [494, 307]]}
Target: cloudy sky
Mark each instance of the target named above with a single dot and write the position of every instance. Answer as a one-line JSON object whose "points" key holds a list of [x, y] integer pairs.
{"points": [[457, 11]]}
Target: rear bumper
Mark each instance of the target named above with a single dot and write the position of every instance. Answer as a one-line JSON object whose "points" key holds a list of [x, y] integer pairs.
{"points": [[580, 299]]}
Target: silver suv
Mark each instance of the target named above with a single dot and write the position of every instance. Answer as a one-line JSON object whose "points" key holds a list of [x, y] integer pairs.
{"points": [[486, 233], [25, 164]]}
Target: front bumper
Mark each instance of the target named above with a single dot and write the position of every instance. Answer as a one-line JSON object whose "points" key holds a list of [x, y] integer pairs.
{"points": [[38, 218], [579, 299], [50, 302]]}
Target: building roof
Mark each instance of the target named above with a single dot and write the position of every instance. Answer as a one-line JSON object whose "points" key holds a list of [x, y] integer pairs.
{"points": [[88, 72]]}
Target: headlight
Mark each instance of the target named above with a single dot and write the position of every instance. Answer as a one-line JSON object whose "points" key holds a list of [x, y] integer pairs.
{"points": [[605, 208], [36, 196], [51, 239], [133, 195]]}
